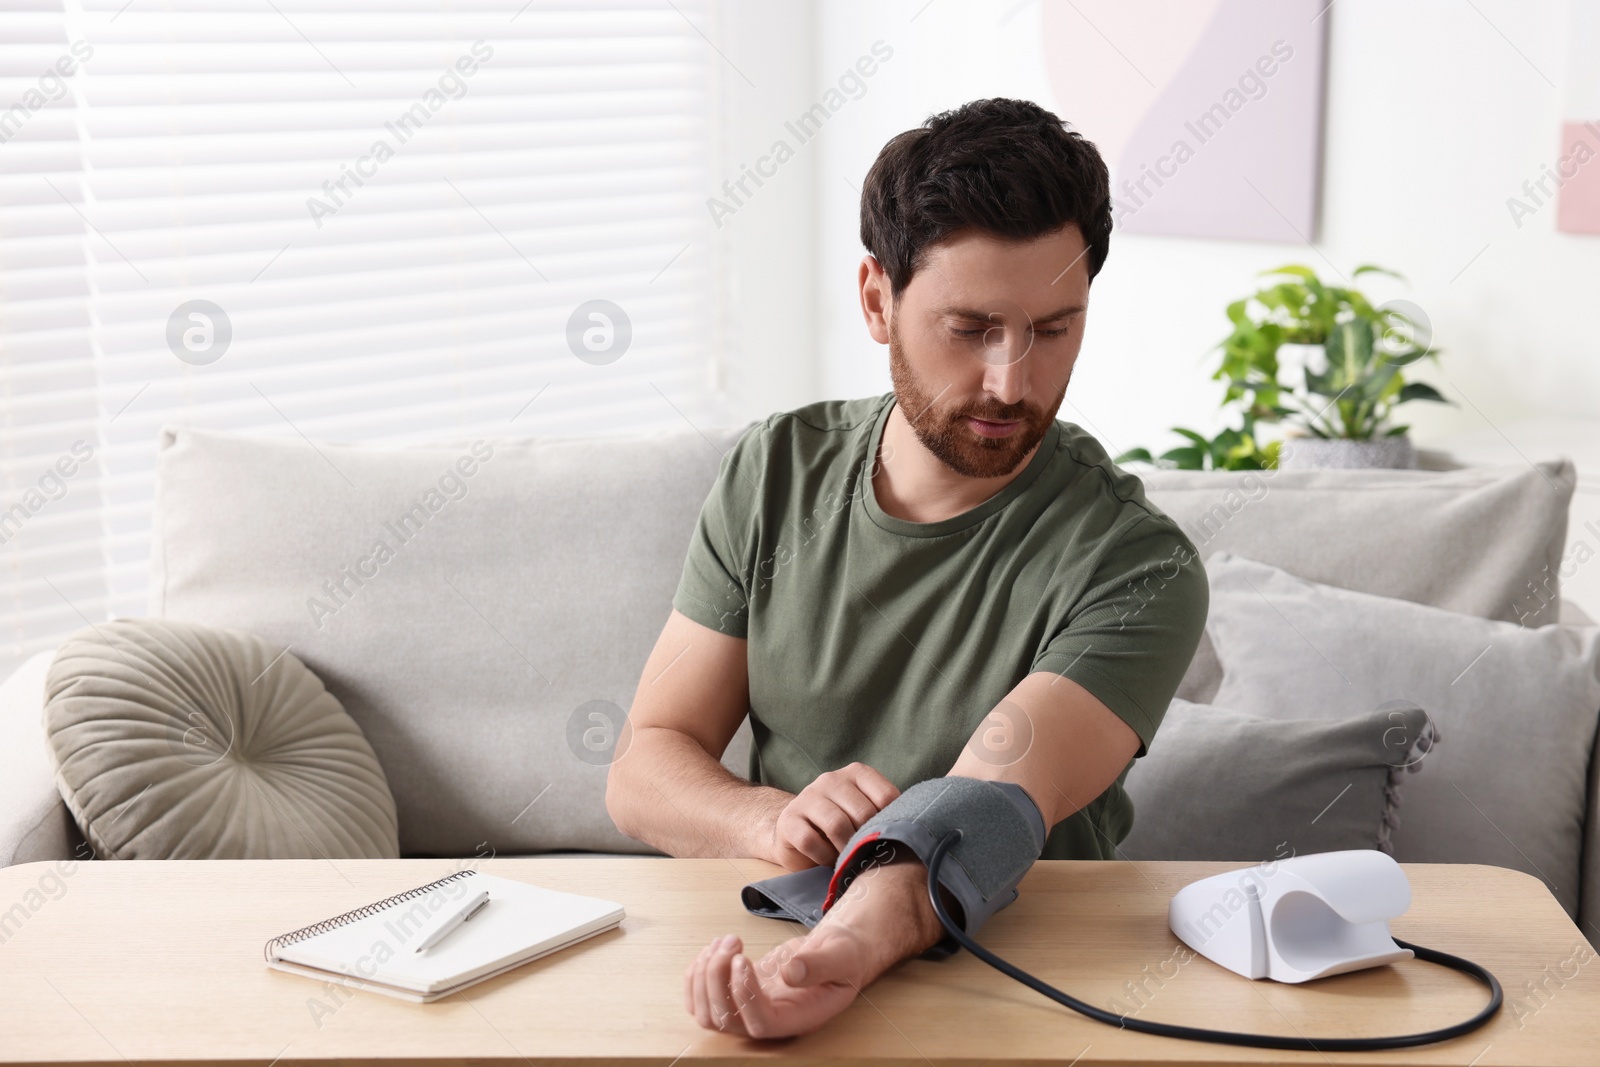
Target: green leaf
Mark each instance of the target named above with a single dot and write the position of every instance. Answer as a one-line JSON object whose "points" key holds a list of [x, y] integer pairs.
{"points": [[1396, 431], [1420, 391], [1296, 269], [1369, 268], [1359, 305], [1401, 357], [1188, 459], [1241, 449], [1191, 435], [1133, 454], [1349, 349], [1383, 383], [1324, 383]]}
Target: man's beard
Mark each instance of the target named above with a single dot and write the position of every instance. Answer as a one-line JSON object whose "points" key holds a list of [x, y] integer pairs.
{"points": [[945, 433]]}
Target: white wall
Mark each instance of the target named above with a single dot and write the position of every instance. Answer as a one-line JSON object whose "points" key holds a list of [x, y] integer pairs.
{"points": [[767, 337], [1436, 114]]}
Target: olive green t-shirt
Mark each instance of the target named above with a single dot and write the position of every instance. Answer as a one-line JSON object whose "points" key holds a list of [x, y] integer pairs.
{"points": [[878, 639]]}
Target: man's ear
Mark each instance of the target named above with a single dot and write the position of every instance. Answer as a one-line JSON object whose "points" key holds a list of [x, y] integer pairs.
{"points": [[877, 304]]}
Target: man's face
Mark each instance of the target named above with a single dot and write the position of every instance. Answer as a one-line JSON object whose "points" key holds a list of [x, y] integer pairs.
{"points": [[982, 343]]}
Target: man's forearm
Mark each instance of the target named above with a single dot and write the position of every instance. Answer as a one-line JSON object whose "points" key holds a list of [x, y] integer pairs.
{"points": [[886, 909], [671, 794]]}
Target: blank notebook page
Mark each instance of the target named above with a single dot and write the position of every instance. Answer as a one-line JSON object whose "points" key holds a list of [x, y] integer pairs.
{"points": [[520, 922]]}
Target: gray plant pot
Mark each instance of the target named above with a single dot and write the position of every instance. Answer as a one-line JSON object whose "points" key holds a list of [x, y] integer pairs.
{"points": [[1387, 452]]}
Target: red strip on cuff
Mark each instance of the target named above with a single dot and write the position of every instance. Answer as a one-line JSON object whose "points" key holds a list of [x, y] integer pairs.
{"points": [[833, 883]]}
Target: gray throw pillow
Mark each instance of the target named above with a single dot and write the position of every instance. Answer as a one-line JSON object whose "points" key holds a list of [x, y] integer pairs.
{"points": [[176, 741], [1484, 541], [1516, 707], [1221, 785]]}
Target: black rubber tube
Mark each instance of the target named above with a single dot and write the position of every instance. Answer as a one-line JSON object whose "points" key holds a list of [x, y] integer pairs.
{"points": [[1223, 1037]]}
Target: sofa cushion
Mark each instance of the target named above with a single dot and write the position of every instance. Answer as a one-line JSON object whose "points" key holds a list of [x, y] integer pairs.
{"points": [[1515, 708], [1484, 541], [176, 741], [1221, 785], [34, 823], [482, 610]]}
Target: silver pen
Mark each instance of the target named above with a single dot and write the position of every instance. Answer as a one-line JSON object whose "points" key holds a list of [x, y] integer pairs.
{"points": [[468, 907]]}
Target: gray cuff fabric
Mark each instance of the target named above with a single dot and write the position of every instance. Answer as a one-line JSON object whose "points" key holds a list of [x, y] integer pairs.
{"points": [[797, 895], [1002, 834]]}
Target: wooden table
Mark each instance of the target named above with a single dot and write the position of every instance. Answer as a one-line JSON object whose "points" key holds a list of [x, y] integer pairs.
{"points": [[153, 963]]}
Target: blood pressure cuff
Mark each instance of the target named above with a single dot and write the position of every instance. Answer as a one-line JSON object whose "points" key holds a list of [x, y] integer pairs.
{"points": [[1002, 834]]}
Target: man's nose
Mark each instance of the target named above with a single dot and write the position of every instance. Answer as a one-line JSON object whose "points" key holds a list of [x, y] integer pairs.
{"points": [[1005, 372]]}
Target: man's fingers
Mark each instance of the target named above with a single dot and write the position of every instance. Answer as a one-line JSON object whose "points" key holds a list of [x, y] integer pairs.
{"points": [[834, 823], [688, 983], [820, 821], [719, 991], [702, 1006], [822, 854], [875, 787], [807, 840], [857, 806], [755, 1009]]}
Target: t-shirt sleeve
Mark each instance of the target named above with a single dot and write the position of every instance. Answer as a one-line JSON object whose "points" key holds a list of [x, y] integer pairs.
{"points": [[1130, 638], [714, 588]]}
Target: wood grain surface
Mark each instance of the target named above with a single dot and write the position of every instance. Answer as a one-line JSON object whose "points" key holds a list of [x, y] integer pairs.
{"points": [[161, 963]]}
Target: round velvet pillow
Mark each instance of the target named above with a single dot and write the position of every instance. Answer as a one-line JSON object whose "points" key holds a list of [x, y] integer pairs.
{"points": [[173, 740]]}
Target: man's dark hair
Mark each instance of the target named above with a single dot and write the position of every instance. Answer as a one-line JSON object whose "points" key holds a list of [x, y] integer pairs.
{"points": [[1008, 167]]}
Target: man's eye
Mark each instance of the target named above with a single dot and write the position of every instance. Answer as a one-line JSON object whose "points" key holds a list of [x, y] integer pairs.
{"points": [[980, 331]]}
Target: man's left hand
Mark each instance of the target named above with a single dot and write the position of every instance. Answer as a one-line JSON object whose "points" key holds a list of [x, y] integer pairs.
{"points": [[882, 918], [793, 989]]}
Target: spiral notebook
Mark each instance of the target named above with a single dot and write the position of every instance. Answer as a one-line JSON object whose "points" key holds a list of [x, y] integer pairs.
{"points": [[372, 947]]}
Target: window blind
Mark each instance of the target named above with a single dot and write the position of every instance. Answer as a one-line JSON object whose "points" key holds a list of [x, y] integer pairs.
{"points": [[396, 216]]}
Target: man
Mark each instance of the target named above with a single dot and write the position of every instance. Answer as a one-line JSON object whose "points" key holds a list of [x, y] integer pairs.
{"points": [[943, 580]]}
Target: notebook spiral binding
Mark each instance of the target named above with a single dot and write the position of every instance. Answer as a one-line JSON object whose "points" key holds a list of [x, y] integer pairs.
{"points": [[357, 913]]}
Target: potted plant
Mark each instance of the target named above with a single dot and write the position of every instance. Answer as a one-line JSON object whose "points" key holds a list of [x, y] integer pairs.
{"points": [[1350, 356]]}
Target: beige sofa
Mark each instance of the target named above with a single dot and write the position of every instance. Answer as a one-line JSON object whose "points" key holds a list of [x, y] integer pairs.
{"points": [[483, 609]]}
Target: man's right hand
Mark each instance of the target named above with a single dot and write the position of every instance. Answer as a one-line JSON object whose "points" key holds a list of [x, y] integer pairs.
{"points": [[812, 828]]}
